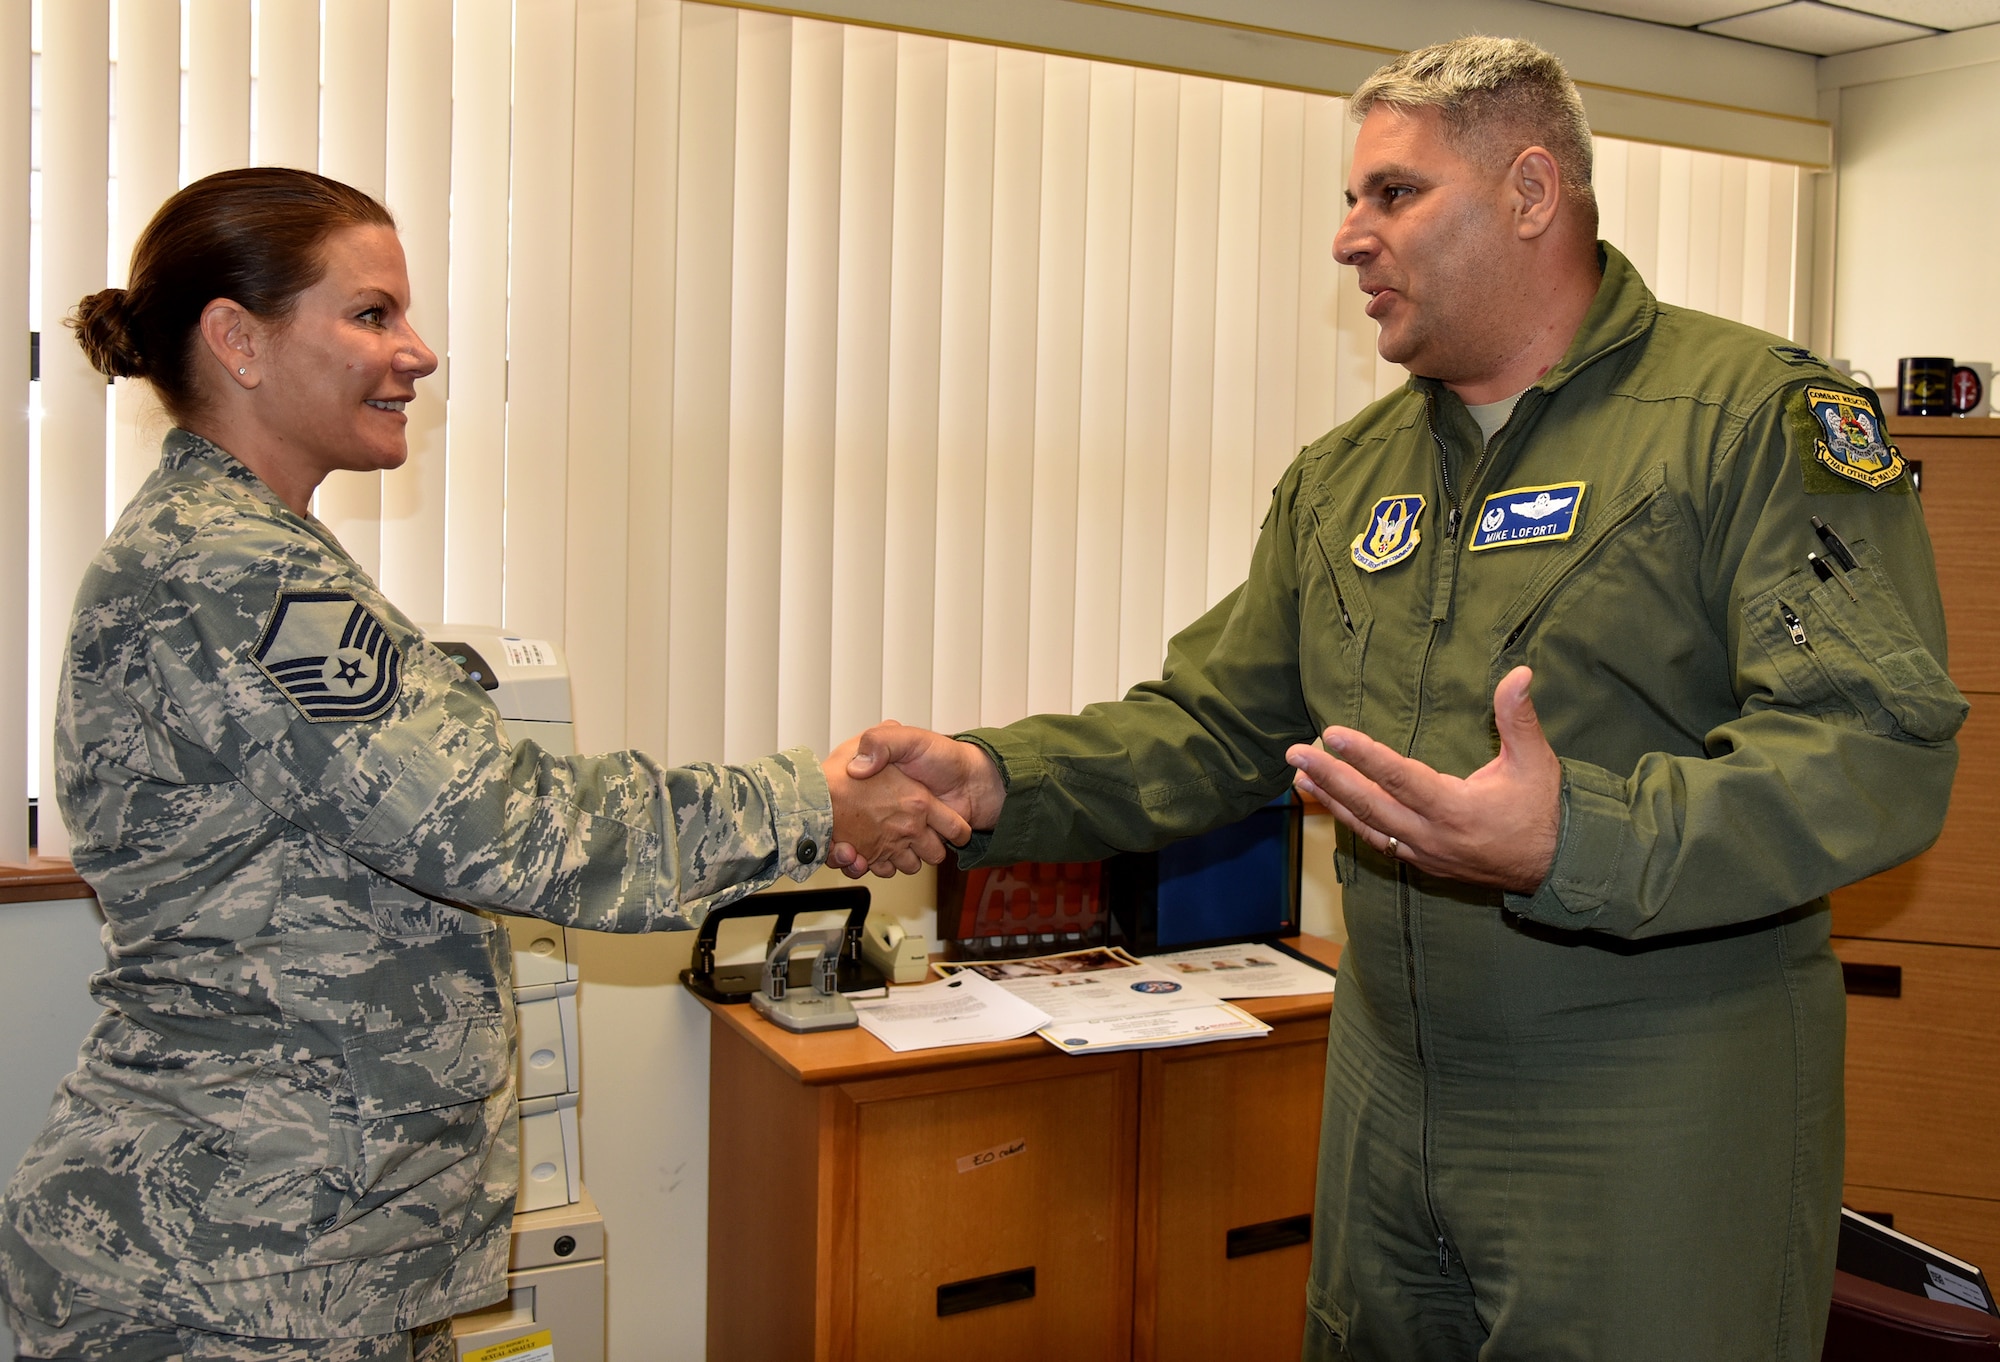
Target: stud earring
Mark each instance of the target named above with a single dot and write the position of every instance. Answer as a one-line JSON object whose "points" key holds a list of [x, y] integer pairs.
{"points": [[242, 371]]}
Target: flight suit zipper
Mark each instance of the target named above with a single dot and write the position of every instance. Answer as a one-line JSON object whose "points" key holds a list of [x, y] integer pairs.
{"points": [[1454, 512], [1405, 908]]}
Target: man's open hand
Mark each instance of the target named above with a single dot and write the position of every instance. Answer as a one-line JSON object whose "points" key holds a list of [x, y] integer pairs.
{"points": [[1497, 826]]}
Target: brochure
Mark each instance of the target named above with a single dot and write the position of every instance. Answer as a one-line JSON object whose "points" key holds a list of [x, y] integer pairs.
{"points": [[1103, 999], [1247, 971]]}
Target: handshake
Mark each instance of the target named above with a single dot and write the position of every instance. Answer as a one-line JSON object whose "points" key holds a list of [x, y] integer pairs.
{"points": [[901, 795]]}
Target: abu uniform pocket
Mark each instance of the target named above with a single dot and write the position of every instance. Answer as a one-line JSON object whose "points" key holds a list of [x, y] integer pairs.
{"points": [[1847, 647], [430, 1101]]}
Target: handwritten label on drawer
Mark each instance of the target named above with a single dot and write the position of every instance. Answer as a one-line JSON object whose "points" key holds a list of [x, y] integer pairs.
{"points": [[986, 1158]]}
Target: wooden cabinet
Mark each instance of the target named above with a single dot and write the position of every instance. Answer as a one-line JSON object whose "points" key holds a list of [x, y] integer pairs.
{"points": [[1921, 943], [1228, 1162], [1008, 1202]]}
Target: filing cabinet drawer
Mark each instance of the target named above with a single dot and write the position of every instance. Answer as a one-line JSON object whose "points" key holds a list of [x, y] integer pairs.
{"points": [[1230, 1152], [551, 1154], [1923, 1045], [541, 952], [993, 1219], [545, 1020], [1965, 1227], [1961, 499], [1946, 894]]}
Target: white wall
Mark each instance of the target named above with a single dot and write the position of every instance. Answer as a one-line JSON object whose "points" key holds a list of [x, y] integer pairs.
{"points": [[47, 953], [1917, 260]]}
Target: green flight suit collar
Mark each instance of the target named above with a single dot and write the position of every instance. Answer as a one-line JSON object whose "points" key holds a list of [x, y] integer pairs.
{"points": [[1623, 311]]}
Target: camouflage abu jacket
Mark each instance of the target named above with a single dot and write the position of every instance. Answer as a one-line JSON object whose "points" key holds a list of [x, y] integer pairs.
{"points": [[295, 1116]]}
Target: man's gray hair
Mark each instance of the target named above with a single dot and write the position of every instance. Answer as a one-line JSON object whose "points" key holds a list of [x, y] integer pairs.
{"points": [[1497, 97]]}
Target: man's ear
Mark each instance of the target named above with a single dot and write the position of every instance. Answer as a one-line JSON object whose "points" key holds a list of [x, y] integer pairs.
{"points": [[1535, 187], [236, 339]]}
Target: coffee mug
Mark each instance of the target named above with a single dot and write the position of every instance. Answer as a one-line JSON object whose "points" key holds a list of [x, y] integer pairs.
{"points": [[1972, 389], [1923, 387]]}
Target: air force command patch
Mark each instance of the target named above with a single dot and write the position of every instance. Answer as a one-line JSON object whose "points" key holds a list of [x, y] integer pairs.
{"points": [[1850, 441], [1528, 515], [1391, 535], [330, 656]]}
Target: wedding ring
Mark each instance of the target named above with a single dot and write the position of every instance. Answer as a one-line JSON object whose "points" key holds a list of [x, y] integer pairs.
{"points": [[1394, 850]]}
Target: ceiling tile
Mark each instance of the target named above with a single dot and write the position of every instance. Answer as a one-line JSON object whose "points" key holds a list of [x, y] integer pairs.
{"points": [[1685, 13], [1936, 13], [1806, 26]]}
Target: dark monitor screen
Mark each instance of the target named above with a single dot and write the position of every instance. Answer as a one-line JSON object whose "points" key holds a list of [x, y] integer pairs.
{"points": [[1234, 883]]}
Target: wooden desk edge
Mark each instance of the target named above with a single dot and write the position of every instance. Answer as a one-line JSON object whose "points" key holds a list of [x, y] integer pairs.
{"points": [[852, 1055], [1914, 426], [41, 878]]}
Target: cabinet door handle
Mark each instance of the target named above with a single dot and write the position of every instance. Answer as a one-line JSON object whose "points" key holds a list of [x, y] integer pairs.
{"points": [[1872, 981], [976, 1293], [1267, 1235]]}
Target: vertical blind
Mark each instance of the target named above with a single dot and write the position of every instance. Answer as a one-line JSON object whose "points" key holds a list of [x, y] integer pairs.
{"points": [[796, 373]]}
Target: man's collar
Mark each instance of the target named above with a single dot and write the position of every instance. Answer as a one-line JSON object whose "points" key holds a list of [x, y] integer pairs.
{"points": [[1622, 311]]}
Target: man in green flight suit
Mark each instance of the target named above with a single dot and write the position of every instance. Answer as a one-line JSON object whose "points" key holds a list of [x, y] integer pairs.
{"points": [[1583, 1093]]}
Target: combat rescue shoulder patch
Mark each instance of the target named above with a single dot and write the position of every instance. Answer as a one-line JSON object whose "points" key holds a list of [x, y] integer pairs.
{"points": [[1391, 535], [1528, 515], [1848, 439], [330, 656]]}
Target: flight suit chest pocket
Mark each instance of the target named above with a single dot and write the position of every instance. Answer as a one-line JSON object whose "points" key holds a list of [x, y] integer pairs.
{"points": [[1846, 647], [1618, 537]]}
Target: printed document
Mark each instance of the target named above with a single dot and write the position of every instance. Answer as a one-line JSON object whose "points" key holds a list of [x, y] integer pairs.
{"points": [[966, 1009], [1103, 999], [1250, 971]]}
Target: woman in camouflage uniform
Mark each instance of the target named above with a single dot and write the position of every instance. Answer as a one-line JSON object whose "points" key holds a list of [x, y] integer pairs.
{"points": [[291, 1133]]}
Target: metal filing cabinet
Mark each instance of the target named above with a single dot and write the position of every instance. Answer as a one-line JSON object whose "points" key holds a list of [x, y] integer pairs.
{"points": [[555, 1274]]}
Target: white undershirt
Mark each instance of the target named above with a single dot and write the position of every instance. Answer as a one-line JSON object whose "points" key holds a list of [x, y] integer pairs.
{"points": [[1492, 415]]}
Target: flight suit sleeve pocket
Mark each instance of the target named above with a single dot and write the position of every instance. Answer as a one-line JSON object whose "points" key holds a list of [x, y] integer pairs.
{"points": [[1847, 648]]}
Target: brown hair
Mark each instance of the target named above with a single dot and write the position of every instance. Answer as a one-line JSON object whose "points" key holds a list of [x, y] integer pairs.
{"points": [[253, 236], [1498, 97]]}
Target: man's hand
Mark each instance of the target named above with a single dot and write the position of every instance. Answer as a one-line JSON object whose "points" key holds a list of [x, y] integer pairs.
{"points": [[887, 823], [1497, 826], [958, 774]]}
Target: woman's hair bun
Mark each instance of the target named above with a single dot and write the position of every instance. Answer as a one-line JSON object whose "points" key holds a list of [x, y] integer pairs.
{"points": [[103, 326]]}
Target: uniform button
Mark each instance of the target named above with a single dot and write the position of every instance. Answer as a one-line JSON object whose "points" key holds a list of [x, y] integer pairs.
{"points": [[808, 851]]}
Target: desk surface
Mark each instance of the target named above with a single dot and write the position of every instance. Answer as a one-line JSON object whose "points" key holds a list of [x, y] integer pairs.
{"points": [[41, 878], [852, 1054]]}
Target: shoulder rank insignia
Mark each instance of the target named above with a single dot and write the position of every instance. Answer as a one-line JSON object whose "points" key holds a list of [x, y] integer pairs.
{"points": [[1798, 355], [1391, 535], [1528, 515], [330, 656], [1850, 440]]}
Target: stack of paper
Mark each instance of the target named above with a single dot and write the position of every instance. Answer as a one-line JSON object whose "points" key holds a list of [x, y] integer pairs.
{"points": [[1103, 999], [1246, 971]]}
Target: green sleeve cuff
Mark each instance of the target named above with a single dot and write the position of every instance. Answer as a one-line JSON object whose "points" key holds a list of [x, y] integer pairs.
{"points": [[1596, 823], [1021, 773]]}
